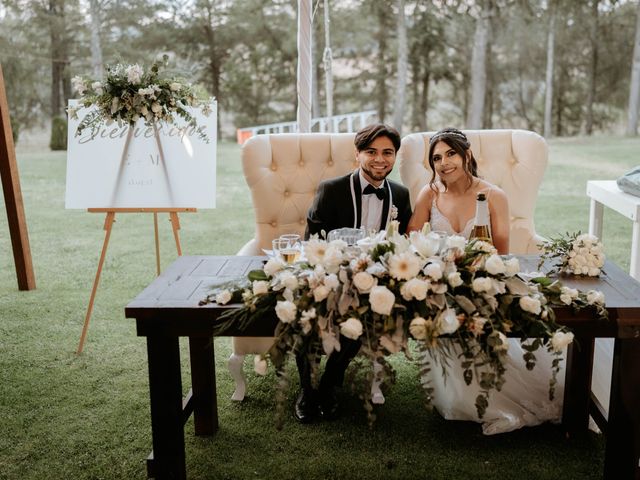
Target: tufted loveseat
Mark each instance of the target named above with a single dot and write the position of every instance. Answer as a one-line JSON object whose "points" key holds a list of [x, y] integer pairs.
{"points": [[514, 160], [283, 172]]}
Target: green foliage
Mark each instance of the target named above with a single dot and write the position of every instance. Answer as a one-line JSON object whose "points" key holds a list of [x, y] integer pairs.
{"points": [[58, 134]]}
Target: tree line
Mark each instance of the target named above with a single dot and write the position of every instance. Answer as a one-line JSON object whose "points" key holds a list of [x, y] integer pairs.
{"points": [[558, 67]]}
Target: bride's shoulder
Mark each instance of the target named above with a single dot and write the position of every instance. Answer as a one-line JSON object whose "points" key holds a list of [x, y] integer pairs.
{"points": [[428, 193], [490, 189]]}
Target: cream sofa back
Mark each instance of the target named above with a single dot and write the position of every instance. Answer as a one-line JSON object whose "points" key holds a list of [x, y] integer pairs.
{"points": [[283, 172], [514, 160]]}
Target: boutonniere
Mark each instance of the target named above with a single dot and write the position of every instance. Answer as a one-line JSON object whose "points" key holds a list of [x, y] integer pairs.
{"points": [[394, 212]]}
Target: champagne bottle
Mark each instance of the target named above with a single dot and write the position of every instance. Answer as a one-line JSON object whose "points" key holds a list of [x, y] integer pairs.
{"points": [[481, 228]]}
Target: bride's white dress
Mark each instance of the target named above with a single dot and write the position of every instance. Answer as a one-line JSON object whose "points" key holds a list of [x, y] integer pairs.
{"points": [[524, 398]]}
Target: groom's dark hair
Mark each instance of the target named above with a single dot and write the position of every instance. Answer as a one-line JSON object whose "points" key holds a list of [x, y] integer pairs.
{"points": [[366, 136]]}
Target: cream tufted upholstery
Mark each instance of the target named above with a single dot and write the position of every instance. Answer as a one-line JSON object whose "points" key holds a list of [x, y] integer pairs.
{"points": [[514, 160], [283, 172]]}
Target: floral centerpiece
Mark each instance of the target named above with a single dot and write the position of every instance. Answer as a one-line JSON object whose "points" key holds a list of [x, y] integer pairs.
{"points": [[391, 288], [130, 93], [576, 254]]}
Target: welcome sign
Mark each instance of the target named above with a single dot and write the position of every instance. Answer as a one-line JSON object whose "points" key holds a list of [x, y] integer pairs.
{"points": [[174, 169]]}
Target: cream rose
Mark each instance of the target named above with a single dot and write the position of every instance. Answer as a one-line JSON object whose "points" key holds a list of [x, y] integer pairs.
{"points": [[560, 340], [286, 311], [364, 282], [260, 287], [382, 300], [595, 297], [351, 328], [447, 322], [414, 288], [531, 305], [272, 266], [494, 265], [433, 270], [418, 328], [454, 279], [512, 267], [481, 284]]}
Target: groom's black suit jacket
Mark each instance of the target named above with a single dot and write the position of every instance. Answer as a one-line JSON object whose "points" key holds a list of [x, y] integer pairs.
{"points": [[333, 205]]}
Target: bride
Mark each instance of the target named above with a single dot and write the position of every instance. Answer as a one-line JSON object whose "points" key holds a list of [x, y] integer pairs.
{"points": [[448, 204]]}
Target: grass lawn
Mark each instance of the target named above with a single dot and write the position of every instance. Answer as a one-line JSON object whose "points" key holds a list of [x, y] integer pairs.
{"points": [[87, 417]]}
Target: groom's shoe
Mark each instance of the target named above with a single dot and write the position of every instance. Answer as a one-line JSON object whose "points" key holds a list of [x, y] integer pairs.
{"points": [[329, 405], [306, 409]]}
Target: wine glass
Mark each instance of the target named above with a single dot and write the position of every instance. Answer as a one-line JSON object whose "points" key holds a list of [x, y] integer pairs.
{"points": [[288, 247]]}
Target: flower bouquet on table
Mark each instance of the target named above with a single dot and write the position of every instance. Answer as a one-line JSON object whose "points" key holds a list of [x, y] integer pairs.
{"points": [[130, 93], [393, 288], [576, 254]]}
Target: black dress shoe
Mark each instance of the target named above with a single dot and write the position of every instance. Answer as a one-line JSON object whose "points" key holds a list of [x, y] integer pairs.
{"points": [[329, 406], [306, 409]]}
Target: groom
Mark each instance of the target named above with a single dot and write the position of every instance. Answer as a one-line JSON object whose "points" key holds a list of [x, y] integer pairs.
{"points": [[364, 198]]}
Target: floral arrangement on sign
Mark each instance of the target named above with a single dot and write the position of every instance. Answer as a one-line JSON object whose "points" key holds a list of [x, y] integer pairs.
{"points": [[576, 254], [130, 93], [390, 288]]}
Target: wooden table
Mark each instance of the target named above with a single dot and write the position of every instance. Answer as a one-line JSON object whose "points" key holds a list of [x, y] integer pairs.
{"points": [[168, 309]]}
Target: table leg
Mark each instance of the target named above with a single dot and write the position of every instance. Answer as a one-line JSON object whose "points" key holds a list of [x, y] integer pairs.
{"points": [[596, 212], [622, 453], [577, 388], [165, 388], [634, 269], [203, 380]]}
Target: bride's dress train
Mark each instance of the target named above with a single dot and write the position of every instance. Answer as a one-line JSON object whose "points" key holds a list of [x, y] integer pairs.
{"points": [[522, 401]]}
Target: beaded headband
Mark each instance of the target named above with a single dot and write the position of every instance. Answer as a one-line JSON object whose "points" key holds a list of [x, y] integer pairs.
{"points": [[448, 133]]}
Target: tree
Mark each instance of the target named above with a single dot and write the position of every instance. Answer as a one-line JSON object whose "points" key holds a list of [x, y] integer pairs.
{"points": [[481, 42], [593, 70], [548, 101], [634, 86]]}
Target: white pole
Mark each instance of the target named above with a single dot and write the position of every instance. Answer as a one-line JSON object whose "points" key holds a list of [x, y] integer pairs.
{"points": [[328, 60], [304, 66]]}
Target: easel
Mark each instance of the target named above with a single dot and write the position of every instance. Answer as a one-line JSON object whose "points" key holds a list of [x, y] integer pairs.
{"points": [[13, 198], [108, 224]]}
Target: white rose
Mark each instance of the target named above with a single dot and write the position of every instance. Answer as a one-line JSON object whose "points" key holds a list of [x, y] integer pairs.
{"points": [[260, 287], [364, 282], [454, 279], [223, 297], [414, 288], [97, 87], [79, 84], [594, 271], [175, 86], [404, 266], [134, 73], [351, 328], [155, 107], [433, 270], [456, 241], [512, 267], [418, 328], [494, 265], [481, 284], [566, 299], [320, 293], [382, 300], [595, 297], [272, 266], [286, 311], [447, 321], [560, 340], [260, 365], [531, 305], [331, 281], [289, 280]]}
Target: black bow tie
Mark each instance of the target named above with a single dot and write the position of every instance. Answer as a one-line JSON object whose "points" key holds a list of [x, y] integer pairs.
{"points": [[381, 193]]}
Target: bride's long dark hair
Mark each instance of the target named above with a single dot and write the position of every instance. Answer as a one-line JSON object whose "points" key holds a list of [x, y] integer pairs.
{"points": [[458, 142]]}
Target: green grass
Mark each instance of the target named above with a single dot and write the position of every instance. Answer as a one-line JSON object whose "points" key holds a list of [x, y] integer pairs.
{"points": [[87, 417]]}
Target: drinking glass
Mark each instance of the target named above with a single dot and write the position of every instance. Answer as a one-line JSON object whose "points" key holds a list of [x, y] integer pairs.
{"points": [[288, 247], [348, 235]]}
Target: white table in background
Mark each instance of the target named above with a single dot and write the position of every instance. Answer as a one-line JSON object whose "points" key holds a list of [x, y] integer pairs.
{"points": [[606, 193]]}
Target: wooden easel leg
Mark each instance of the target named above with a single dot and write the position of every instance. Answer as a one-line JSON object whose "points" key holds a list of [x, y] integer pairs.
{"points": [[155, 229], [175, 225], [108, 224]]}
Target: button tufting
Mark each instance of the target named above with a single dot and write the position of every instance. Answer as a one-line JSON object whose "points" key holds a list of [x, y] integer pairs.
{"points": [[330, 162], [274, 167], [286, 193], [302, 221], [301, 163], [274, 224]]}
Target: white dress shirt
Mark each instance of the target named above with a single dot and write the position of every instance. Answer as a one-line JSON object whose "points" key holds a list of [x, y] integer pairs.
{"points": [[371, 207]]}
